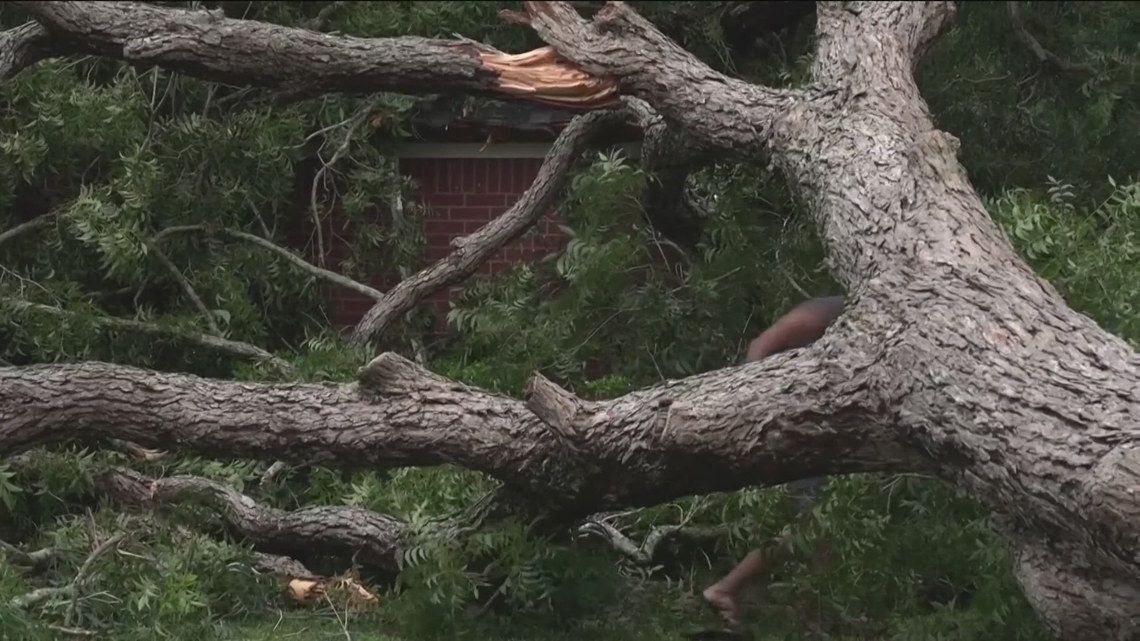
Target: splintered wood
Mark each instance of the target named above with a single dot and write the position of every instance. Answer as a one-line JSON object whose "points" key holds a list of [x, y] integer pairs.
{"points": [[544, 76]]}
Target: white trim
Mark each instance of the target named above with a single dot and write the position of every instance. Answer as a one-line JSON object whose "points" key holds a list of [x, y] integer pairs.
{"points": [[493, 150]]}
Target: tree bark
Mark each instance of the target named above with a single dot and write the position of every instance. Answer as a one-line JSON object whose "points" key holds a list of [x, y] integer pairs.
{"points": [[953, 357]]}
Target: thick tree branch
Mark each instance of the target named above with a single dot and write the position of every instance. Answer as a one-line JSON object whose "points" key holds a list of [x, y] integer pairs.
{"points": [[672, 440], [953, 355], [617, 43], [371, 539], [300, 63], [214, 343], [469, 252], [23, 47], [897, 35], [208, 45]]}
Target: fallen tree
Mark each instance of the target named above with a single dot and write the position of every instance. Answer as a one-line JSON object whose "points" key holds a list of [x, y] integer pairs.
{"points": [[953, 357]]}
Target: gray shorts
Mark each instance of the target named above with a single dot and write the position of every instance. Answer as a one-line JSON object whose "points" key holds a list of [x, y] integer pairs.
{"points": [[806, 491]]}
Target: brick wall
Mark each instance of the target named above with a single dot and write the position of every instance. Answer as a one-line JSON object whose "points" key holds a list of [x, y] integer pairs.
{"points": [[461, 195]]}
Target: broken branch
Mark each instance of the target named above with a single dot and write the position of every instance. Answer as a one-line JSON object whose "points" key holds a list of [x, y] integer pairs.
{"points": [[23, 47], [675, 439], [371, 539], [471, 251], [300, 62]]}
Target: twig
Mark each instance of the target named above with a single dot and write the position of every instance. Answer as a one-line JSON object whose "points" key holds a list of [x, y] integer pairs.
{"points": [[85, 572], [235, 348], [24, 228], [296, 260], [353, 122], [272, 473], [72, 632], [184, 283], [1044, 55], [325, 14], [398, 222], [40, 595]]}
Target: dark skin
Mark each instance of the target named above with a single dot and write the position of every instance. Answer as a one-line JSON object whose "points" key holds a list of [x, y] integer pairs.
{"points": [[798, 328]]}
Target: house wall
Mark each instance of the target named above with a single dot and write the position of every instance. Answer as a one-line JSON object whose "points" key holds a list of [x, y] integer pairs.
{"points": [[463, 188]]}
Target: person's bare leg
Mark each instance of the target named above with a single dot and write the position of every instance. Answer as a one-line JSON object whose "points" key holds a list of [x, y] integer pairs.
{"points": [[722, 594]]}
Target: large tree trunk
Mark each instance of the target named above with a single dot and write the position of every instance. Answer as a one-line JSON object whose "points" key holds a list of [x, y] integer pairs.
{"points": [[952, 358]]}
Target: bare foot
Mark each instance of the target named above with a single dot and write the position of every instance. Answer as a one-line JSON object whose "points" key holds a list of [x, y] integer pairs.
{"points": [[723, 603]]}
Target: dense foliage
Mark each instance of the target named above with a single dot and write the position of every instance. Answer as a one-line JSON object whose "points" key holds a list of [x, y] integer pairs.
{"points": [[121, 154]]}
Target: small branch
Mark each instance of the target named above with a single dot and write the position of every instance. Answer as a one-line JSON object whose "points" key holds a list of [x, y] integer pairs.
{"points": [[275, 470], [71, 590], [640, 554], [472, 251], [139, 452], [23, 228], [645, 553], [1044, 55], [215, 343], [670, 156], [419, 352], [85, 571], [355, 121], [353, 534], [325, 14], [301, 263], [34, 559], [184, 283]]}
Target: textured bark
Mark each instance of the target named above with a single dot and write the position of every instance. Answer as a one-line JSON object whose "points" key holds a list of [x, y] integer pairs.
{"points": [[22, 47], [208, 45], [640, 449], [670, 156], [953, 357], [350, 533]]}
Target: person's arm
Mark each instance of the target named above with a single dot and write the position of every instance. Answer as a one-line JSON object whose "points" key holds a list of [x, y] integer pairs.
{"points": [[798, 328]]}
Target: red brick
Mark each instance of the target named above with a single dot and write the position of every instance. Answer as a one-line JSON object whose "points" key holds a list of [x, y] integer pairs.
{"points": [[441, 201], [455, 175], [474, 176], [462, 195], [484, 200], [481, 214], [440, 226]]}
